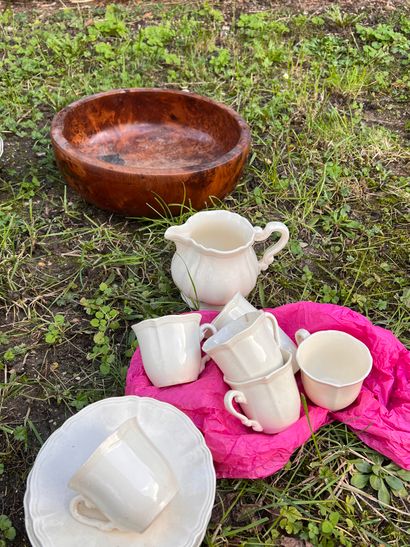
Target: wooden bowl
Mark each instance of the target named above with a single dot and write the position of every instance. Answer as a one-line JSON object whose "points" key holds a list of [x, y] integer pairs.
{"points": [[134, 150]]}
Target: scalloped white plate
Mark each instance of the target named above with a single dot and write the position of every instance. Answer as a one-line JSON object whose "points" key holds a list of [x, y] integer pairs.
{"points": [[28, 521], [182, 523]]}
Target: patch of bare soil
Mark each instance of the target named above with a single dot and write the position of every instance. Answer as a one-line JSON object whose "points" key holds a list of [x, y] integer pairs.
{"points": [[241, 5]]}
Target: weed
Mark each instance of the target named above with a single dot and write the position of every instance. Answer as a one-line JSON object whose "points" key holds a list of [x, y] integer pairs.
{"points": [[340, 18], [13, 352], [111, 25], [55, 330], [7, 532], [104, 321], [384, 478]]}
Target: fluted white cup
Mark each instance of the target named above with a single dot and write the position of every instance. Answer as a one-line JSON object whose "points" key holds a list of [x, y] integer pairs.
{"points": [[245, 348], [125, 484], [270, 403], [333, 366], [170, 348], [239, 306]]}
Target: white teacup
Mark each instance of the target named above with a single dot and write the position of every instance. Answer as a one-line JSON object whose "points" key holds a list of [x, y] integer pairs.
{"points": [[170, 348], [333, 365], [245, 348], [239, 306], [235, 308], [271, 403], [124, 484]]}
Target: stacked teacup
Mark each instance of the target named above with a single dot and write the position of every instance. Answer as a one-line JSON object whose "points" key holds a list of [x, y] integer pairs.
{"points": [[247, 349]]}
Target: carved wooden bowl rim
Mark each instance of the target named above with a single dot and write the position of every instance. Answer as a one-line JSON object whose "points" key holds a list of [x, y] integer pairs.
{"points": [[59, 140]]}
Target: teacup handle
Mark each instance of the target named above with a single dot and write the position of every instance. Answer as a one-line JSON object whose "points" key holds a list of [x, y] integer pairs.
{"points": [[301, 335], [102, 524], [261, 235], [203, 328], [239, 397], [275, 326], [202, 331]]}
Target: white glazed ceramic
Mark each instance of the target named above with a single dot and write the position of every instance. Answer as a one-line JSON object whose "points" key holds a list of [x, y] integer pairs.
{"points": [[124, 484], [215, 258], [245, 348], [333, 365], [27, 517], [237, 307], [271, 403], [181, 524], [170, 348]]}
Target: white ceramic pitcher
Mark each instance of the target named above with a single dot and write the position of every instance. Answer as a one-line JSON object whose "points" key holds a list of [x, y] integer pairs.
{"points": [[215, 257]]}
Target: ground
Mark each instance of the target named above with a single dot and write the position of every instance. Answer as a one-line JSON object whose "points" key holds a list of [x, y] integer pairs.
{"points": [[325, 89]]}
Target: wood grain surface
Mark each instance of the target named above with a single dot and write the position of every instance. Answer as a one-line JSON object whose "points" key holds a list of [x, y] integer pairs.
{"points": [[133, 150]]}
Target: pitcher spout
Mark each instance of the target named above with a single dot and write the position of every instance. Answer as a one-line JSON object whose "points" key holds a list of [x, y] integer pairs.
{"points": [[177, 233]]}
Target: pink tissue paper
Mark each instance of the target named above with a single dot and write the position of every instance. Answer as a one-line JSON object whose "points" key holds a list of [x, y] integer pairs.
{"points": [[380, 416]]}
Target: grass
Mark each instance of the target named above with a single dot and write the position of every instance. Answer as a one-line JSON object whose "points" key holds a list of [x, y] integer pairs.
{"points": [[326, 96]]}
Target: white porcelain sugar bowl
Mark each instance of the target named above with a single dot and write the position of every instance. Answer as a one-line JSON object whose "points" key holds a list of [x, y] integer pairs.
{"points": [[215, 258]]}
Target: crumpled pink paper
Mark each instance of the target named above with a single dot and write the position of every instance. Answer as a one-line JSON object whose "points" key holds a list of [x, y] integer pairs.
{"points": [[380, 416]]}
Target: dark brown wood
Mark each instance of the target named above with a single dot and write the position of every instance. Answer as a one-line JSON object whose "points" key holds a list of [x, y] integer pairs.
{"points": [[133, 150]]}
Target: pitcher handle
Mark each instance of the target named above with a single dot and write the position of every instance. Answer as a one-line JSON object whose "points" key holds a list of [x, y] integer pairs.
{"points": [[102, 524], [239, 397], [261, 235]]}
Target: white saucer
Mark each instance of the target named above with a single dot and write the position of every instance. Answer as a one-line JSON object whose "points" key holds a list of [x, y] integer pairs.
{"points": [[183, 522]]}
